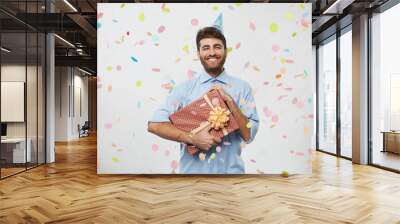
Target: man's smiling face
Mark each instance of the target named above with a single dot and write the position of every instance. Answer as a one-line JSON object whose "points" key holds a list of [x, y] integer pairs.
{"points": [[212, 55]]}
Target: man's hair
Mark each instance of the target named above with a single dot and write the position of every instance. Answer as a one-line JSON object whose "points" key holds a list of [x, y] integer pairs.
{"points": [[209, 32]]}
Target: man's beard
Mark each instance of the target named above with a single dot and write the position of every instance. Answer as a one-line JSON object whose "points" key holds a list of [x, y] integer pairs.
{"points": [[213, 70]]}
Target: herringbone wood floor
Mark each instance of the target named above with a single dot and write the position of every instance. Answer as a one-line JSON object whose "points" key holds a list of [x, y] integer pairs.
{"points": [[70, 191]]}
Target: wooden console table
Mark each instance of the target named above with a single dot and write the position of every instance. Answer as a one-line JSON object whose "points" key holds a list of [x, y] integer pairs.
{"points": [[391, 141]]}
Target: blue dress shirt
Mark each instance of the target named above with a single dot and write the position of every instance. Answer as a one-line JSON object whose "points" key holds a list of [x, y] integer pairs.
{"points": [[224, 158]]}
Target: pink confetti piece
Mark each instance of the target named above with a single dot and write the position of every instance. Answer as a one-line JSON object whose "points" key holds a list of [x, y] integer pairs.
{"points": [[174, 164], [194, 22], [300, 104], [305, 23], [275, 118], [161, 29], [119, 67], [252, 26], [288, 89], [100, 15], [149, 34], [283, 70], [141, 42], [295, 100], [99, 85], [189, 74], [237, 45], [253, 161], [218, 149], [275, 48], [167, 86], [166, 153], [284, 136], [279, 84], [154, 147], [267, 112], [299, 153], [266, 83], [291, 152], [108, 125], [289, 61], [311, 116], [282, 96], [127, 33], [155, 69], [227, 143]]}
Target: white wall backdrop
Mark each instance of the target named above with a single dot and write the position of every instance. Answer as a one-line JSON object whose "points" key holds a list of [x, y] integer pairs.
{"points": [[144, 50]]}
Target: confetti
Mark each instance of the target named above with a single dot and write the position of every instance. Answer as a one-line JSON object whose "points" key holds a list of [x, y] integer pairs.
{"points": [[155, 69], [161, 29], [267, 112], [186, 49], [231, 7], [289, 61], [141, 17], [278, 76], [253, 161], [266, 83], [229, 50], [227, 143], [154, 147], [194, 22], [134, 59], [284, 136], [288, 16], [247, 64], [273, 27], [275, 48], [299, 153], [238, 4], [213, 156], [202, 156], [218, 148], [259, 171], [248, 125], [109, 88], [122, 5], [119, 67], [114, 145], [295, 100], [305, 23], [166, 153], [294, 34], [215, 8], [283, 70], [100, 15], [237, 46], [282, 96], [285, 173], [174, 164], [252, 26], [108, 126], [138, 83], [306, 130], [109, 68], [164, 8], [275, 118], [189, 74], [98, 25], [256, 68], [115, 159]]}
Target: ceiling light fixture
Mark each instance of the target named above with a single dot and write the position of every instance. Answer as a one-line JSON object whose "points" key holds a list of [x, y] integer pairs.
{"points": [[337, 7], [64, 40], [5, 50], [70, 5]]}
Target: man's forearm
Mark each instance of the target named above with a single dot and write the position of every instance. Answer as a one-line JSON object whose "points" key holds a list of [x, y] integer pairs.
{"points": [[168, 131], [241, 120]]}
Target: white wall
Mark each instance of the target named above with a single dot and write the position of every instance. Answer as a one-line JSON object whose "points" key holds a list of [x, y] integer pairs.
{"points": [[68, 83]]}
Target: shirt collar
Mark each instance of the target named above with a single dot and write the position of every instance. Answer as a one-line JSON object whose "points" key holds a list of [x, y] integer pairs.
{"points": [[205, 77]]}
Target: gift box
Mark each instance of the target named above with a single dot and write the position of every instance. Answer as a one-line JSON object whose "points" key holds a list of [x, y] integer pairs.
{"points": [[207, 111]]}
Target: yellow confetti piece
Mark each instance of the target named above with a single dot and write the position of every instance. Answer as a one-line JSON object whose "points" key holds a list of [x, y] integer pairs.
{"points": [[213, 156], [273, 27], [186, 49], [248, 125], [114, 145], [109, 68], [215, 8], [138, 83], [301, 5], [177, 60], [283, 60], [229, 50], [202, 156], [115, 159], [288, 16], [238, 4], [306, 130], [294, 34], [122, 5], [141, 17], [285, 173]]}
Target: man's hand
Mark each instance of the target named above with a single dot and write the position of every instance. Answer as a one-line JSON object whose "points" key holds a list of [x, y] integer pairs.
{"points": [[203, 140], [225, 96]]}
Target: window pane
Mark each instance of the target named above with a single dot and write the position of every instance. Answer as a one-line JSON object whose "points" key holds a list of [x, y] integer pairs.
{"points": [[346, 93], [327, 96]]}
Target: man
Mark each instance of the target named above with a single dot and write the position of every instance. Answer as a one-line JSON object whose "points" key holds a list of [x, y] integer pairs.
{"points": [[216, 155]]}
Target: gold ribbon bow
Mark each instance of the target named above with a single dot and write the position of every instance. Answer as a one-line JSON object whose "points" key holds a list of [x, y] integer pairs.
{"points": [[218, 118]]}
